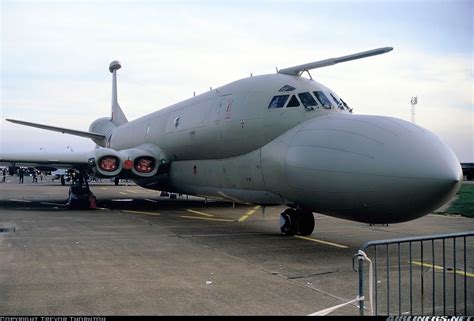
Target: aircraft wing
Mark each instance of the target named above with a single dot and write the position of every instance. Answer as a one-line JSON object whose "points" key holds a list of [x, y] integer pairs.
{"points": [[298, 70], [51, 160], [59, 129]]}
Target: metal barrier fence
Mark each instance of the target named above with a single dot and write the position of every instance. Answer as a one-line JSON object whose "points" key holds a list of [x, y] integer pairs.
{"points": [[394, 267]]}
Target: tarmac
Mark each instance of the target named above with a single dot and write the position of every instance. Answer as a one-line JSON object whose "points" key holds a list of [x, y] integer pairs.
{"points": [[140, 253]]}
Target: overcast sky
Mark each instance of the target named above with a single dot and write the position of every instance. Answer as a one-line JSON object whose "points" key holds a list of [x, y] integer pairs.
{"points": [[55, 57]]}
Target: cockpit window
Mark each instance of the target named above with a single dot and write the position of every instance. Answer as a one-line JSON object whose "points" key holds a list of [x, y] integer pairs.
{"points": [[322, 99], [287, 88], [338, 103], [278, 101], [293, 102], [307, 100]]}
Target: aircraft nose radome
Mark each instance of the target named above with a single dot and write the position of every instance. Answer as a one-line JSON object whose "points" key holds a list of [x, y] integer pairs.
{"points": [[370, 168], [415, 152]]}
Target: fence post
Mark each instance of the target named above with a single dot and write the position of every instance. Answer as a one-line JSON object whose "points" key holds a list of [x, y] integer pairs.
{"points": [[361, 284]]}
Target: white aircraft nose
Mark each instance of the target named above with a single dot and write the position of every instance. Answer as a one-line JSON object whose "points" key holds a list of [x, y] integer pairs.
{"points": [[369, 168]]}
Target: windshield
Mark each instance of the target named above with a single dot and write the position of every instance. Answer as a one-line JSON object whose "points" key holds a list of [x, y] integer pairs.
{"points": [[322, 99], [307, 100]]}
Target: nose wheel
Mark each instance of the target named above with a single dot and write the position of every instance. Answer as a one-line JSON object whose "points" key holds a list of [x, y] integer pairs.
{"points": [[296, 221]]}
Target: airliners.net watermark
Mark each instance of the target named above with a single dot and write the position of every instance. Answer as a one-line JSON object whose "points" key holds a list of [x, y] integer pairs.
{"points": [[428, 318], [52, 319]]}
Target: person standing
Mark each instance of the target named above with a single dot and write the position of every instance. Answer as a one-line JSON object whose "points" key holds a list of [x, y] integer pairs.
{"points": [[21, 175], [4, 173]]}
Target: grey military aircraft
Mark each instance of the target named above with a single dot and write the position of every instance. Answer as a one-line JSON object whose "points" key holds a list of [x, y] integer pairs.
{"points": [[272, 139]]}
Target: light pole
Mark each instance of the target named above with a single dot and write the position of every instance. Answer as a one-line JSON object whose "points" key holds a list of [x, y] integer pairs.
{"points": [[414, 101]]}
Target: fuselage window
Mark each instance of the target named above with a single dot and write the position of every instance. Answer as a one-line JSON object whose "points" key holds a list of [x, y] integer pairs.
{"points": [[322, 99], [278, 101], [307, 100], [287, 88], [293, 102]]}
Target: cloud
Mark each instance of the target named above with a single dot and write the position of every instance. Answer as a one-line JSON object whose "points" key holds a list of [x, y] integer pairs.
{"points": [[55, 60]]}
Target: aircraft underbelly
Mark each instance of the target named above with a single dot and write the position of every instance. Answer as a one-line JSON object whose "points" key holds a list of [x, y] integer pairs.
{"points": [[236, 179]]}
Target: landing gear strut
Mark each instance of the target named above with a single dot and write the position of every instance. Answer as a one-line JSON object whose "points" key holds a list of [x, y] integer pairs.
{"points": [[80, 196], [296, 221]]}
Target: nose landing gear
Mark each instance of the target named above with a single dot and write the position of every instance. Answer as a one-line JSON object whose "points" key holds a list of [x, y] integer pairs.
{"points": [[297, 221]]}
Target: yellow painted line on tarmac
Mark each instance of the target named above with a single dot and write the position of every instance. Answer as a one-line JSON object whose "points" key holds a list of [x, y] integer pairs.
{"points": [[149, 191], [321, 241], [199, 213], [55, 204], [129, 190], [103, 188], [138, 212], [16, 200], [123, 193], [437, 267], [249, 213], [208, 218], [150, 200]]}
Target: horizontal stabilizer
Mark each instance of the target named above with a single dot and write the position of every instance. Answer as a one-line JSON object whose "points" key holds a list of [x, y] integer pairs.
{"points": [[298, 70], [59, 129]]}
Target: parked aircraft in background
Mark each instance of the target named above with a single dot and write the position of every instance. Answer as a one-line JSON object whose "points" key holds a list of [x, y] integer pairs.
{"points": [[273, 139], [61, 174]]}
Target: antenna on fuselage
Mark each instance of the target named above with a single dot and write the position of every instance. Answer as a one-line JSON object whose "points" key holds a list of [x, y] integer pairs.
{"points": [[117, 115]]}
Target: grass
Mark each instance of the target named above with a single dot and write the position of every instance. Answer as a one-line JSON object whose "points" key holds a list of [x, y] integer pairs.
{"points": [[464, 205]]}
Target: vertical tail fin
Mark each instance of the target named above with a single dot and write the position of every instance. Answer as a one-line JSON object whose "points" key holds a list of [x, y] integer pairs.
{"points": [[118, 117]]}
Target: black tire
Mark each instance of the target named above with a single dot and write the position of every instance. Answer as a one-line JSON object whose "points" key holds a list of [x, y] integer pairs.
{"points": [[305, 222], [288, 222]]}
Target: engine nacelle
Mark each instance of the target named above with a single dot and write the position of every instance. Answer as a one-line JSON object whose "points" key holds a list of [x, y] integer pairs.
{"points": [[105, 162], [141, 163]]}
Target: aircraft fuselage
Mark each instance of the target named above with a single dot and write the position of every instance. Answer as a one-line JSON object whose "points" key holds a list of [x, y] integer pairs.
{"points": [[228, 143]]}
